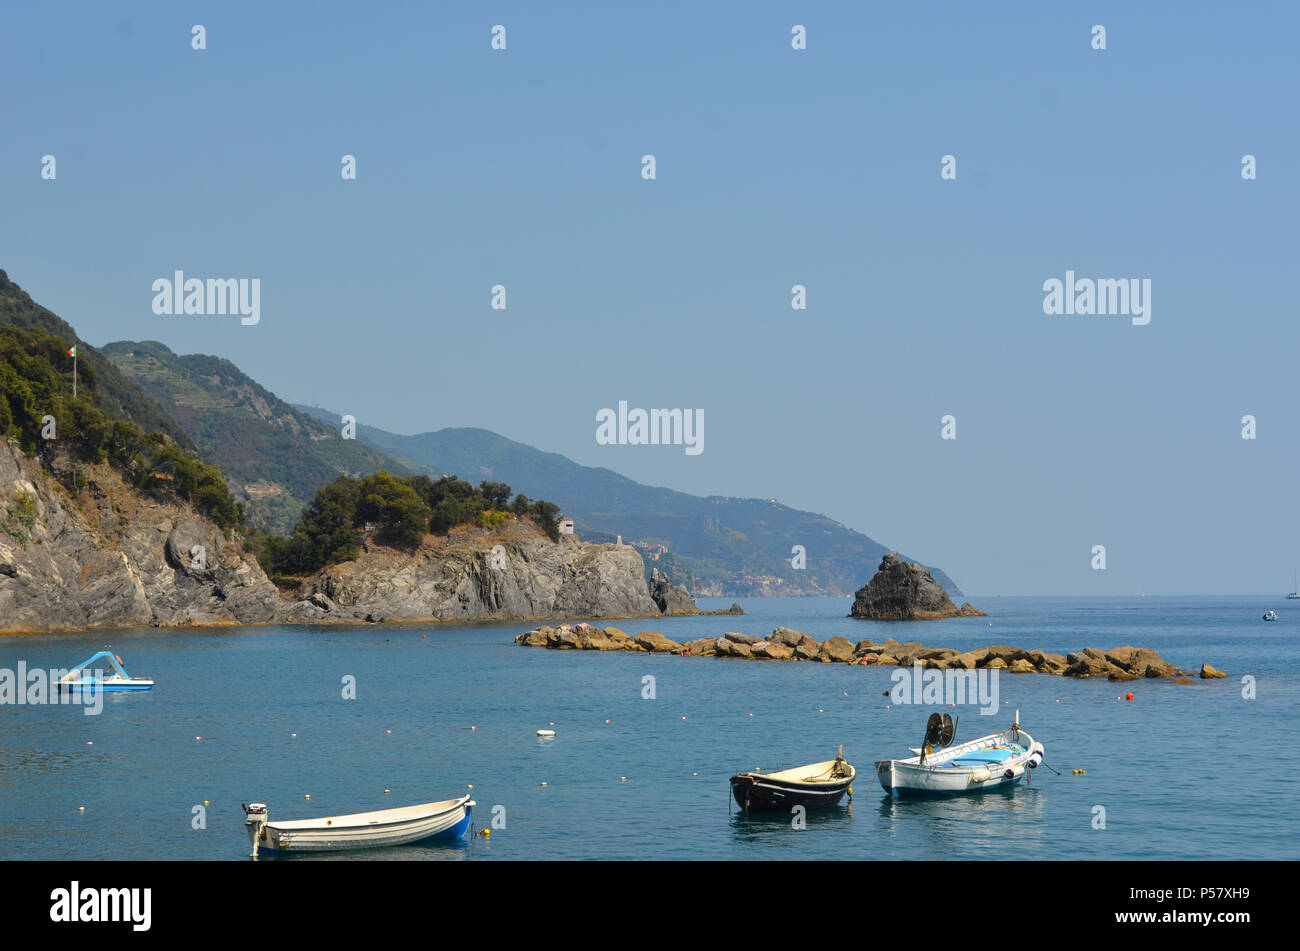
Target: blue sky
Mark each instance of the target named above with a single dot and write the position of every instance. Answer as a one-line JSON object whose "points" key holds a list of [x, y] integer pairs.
{"points": [[775, 167]]}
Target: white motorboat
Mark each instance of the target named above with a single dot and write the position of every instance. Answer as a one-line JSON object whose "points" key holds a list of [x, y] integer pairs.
{"points": [[448, 819], [999, 759]]}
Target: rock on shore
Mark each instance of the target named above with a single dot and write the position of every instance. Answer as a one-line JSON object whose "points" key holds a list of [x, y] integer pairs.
{"points": [[1116, 664], [905, 591]]}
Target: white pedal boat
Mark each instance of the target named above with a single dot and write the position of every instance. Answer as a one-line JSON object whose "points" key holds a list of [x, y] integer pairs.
{"points": [[448, 819], [999, 759]]}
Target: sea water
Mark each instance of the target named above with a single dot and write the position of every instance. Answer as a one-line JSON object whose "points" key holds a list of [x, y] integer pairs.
{"points": [[638, 768]]}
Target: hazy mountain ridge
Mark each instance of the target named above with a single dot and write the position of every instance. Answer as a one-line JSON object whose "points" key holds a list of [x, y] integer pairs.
{"points": [[717, 545]]}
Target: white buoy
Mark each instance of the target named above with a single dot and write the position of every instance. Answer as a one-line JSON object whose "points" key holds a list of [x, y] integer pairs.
{"points": [[546, 733]]}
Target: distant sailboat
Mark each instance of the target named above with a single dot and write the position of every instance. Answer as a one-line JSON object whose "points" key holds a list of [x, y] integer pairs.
{"points": [[1295, 588]]}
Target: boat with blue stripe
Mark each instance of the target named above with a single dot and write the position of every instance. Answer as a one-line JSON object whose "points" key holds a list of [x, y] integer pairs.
{"points": [[116, 682], [448, 819]]}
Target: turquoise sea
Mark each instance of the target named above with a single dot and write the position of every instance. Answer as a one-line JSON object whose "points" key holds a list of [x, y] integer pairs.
{"points": [[1181, 771]]}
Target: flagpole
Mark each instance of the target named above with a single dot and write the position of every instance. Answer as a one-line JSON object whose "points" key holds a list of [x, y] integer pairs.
{"points": [[74, 373]]}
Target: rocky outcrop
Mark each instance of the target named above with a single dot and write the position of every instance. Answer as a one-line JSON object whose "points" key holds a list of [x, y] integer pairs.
{"points": [[514, 573], [905, 591], [110, 557], [671, 600], [1117, 664]]}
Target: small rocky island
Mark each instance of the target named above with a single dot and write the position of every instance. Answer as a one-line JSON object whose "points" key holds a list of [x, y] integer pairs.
{"points": [[1117, 664], [905, 591]]}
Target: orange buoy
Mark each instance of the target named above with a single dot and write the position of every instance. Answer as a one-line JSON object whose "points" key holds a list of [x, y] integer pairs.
{"points": [[1128, 696]]}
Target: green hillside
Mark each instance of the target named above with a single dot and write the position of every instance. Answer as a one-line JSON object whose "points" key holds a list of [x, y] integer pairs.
{"points": [[274, 456], [40, 417], [115, 393]]}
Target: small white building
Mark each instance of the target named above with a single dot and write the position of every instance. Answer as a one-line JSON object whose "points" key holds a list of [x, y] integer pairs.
{"points": [[566, 525]]}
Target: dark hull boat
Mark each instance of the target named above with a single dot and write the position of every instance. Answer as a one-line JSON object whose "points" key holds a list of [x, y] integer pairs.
{"points": [[816, 786]]}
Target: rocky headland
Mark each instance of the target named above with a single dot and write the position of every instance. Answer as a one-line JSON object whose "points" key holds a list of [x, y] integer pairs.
{"points": [[512, 573], [905, 591], [1117, 664], [82, 549]]}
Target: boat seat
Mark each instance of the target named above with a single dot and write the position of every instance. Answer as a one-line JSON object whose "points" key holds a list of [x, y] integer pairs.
{"points": [[983, 758]]}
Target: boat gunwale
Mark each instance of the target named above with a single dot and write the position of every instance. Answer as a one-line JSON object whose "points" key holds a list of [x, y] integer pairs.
{"points": [[371, 820]]}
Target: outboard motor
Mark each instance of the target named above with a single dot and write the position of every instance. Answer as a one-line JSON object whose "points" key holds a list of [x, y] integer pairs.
{"points": [[255, 819]]}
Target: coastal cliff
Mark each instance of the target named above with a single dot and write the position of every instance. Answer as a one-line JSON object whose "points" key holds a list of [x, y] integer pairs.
{"points": [[905, 591], [513, 573], [108, 556]]}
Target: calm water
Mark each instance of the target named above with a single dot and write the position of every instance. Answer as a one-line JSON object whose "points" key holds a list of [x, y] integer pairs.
{"points": [[1182, 771]]}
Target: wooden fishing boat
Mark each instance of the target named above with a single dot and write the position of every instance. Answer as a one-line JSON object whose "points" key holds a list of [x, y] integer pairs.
{"points": [[119, 680], [815, 786], [939, 768], [448, 819]]}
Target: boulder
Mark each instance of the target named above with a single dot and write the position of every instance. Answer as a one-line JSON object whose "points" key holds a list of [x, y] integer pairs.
{"points": [[594, 639], [1209, 673], [1008, 654], [565, 638], [903, 591], [655, 642], [808, 651], [727, 648], [908, 653], [1047, 663], [1088, 662], [534, 638], [791, 638], [969, 610], [886, 660], [1022, 666], [1121, 676], [772, 650], [996, 663], [703, 647], [837, 650], [737, 638], [1141, 661]]}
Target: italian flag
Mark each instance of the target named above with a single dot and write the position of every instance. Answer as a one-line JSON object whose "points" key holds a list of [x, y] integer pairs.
{"points": [[72, 352]]}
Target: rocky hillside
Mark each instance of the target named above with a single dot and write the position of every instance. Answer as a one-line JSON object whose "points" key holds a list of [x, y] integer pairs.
{"points": [[513, 573], [110, 556]]}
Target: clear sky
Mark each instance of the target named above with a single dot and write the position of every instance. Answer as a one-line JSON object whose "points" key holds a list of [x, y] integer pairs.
{"points": [[774, 167]]}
